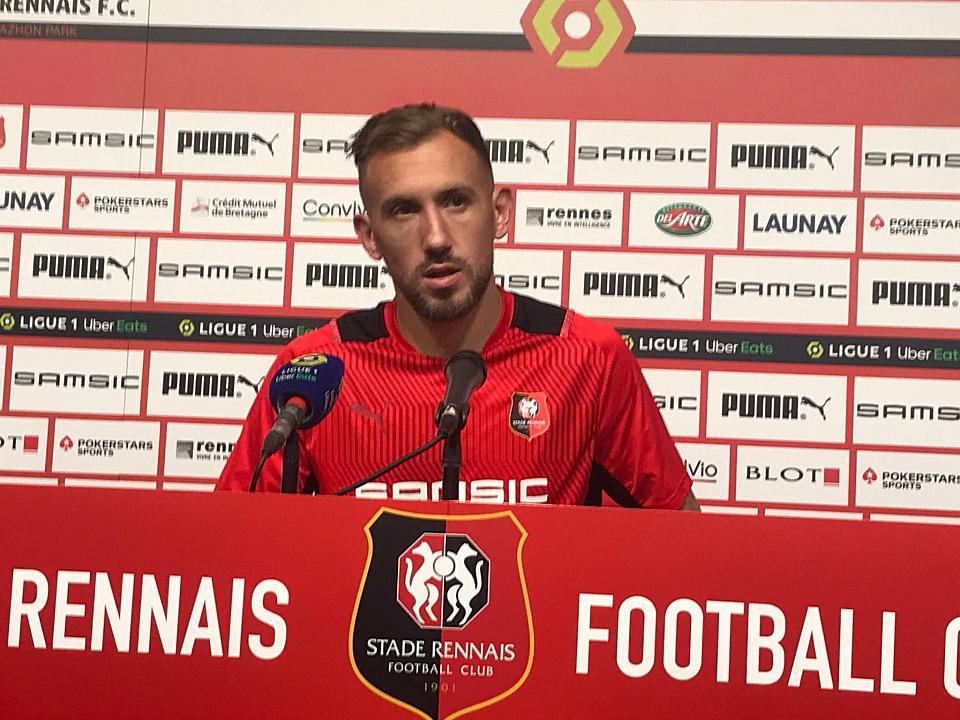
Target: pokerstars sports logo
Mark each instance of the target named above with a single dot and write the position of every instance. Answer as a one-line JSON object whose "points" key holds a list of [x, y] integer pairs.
{"points": [[529, 414], [578, 35], [449, 621]]}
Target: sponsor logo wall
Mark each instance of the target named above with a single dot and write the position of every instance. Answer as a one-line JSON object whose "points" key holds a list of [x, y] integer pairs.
{"points": [[791, 289]]}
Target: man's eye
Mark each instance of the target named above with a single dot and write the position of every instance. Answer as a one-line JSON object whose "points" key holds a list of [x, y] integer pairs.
{"points": [[403, 209], [457, 201]]}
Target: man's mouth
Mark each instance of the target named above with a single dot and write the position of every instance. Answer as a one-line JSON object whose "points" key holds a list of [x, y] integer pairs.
{"points": [[441, 276]]}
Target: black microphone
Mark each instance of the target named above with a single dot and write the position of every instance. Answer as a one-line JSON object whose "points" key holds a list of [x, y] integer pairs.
{"points": [[465, 372], [303, 391]]}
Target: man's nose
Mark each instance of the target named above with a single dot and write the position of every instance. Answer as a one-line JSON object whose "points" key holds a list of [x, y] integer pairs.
{"points": [[436, 234]]}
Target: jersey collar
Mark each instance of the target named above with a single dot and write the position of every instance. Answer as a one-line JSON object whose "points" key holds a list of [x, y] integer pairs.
{"points": [[506, 318]]}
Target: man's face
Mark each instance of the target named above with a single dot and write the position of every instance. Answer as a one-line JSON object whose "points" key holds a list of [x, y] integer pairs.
{"points": [[432, 214]]}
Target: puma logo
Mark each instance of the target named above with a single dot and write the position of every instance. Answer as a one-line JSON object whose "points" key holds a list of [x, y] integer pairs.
{"points": [[124, 268], [249, 383], [363, 411], [678, 285], [263, 141], [810, 403], [814, 150], [531, 145]]}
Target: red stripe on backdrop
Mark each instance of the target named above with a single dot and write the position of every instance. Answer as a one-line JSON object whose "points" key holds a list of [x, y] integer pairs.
{"points": [[725, 88]]}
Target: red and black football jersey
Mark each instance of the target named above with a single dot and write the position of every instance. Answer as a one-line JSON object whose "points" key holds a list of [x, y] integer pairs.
{"points": [[564, 412]]}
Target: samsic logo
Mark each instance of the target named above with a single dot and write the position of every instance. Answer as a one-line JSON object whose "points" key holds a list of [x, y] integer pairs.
{"points": [[528, 281], [76, 138], [223, 142], [919, 412], [216, 271], [893, 159], [761, 289], [94, 381], [207, 385], [577, 35]]}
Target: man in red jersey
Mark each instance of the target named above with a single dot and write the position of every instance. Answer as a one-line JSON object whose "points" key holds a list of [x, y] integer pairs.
{"points": [[564, 412]]}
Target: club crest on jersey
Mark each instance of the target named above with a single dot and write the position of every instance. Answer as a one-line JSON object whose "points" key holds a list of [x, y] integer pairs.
{"points": [[529, 414], [443, 603]]}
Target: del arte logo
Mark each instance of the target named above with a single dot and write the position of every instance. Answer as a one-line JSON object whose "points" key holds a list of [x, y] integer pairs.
{"points": [[576, 34], [684, 219]]}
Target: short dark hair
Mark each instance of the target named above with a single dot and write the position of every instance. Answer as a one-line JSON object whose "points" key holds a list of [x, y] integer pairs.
{"points": [[405, 127]]}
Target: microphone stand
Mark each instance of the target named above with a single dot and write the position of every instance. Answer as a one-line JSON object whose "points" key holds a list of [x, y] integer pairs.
{"points": [[291, 464], [450, 461]]}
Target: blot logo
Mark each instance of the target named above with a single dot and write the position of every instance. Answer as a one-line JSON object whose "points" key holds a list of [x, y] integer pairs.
{"points": [[578, 34], [446, 625]]}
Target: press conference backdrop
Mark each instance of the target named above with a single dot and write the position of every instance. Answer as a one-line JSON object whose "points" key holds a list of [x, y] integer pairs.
{"points": [[763, 197]]}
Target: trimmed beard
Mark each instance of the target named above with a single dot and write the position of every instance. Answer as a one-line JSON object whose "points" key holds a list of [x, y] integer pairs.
{"points": [[440, 306]]}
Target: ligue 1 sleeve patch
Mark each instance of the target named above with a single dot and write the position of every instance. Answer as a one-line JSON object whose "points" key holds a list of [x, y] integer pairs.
{"points": [[529, 414], [442, 624]]}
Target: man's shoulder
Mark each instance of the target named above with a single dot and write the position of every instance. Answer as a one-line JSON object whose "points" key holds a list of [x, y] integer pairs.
{"points": [[542, 318], [356, 326]]}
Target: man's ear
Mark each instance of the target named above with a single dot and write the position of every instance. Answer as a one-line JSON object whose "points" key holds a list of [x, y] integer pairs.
{"points": [[364, 230], [503, 210]]}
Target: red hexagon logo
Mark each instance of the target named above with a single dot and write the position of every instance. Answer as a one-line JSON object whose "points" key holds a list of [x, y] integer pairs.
{"points": [[578, 34]]}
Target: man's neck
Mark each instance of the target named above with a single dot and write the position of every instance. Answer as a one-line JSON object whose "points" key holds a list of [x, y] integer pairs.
{"points": [[443, 339]]}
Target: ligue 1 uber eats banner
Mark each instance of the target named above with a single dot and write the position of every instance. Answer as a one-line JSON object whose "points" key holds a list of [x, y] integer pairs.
{"points": [[441, 611], [763, 199]]}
